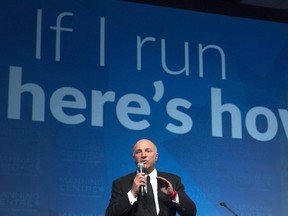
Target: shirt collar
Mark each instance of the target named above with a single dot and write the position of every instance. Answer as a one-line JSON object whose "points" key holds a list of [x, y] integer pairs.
{"points": [[153, 174]]}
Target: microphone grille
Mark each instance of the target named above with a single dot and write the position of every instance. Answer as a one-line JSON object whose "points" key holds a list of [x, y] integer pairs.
{"points": [[140, 165], [222, 204]]}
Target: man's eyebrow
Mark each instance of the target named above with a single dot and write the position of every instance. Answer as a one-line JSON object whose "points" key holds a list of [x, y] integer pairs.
{"points": [[137, 150], [146, 149]]}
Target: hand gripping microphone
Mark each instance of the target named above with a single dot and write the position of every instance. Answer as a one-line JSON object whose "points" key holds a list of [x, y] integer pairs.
{"points": [[140, 166]]}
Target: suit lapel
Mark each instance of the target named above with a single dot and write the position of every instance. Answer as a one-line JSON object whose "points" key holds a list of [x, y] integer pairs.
{"points": [[163, 199]]}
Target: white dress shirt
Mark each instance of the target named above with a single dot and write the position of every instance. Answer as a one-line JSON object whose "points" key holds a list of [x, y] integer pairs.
{"points": [[154, 183]]}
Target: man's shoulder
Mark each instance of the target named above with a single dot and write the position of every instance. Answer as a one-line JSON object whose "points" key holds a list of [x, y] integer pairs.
{"points": [[125, 177], [167, 175]]}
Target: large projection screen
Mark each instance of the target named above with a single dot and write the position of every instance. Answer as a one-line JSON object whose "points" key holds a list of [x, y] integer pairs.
{"points": [[82, 81]]}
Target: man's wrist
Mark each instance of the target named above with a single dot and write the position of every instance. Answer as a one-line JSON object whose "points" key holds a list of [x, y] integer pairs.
{"points": [[131, 197], [173, 195]]}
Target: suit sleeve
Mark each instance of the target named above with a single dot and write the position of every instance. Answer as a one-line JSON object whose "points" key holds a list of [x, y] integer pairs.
{"points": [[119, 203], [186, 207]]}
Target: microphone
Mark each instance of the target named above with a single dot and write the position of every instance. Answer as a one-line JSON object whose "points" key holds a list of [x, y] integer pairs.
{"points": [[140, 166], [224, 205]]}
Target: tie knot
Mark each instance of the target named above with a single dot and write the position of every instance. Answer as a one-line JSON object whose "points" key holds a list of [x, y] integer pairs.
{"points": [[148, 178]]}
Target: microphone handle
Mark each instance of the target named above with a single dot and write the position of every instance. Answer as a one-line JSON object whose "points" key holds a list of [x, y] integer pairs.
{"points": [[229, 209], [142, 193], [142, 190]]}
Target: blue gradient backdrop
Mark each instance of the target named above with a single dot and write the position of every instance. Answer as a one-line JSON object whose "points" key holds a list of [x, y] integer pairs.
{"points": [[62, 145]]}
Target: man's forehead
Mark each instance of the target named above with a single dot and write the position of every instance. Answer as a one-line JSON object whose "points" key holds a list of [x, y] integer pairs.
{"points": [[144, 145]]}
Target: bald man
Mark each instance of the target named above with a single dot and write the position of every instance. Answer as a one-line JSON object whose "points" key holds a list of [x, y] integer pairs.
{"points": [[168, 194]]}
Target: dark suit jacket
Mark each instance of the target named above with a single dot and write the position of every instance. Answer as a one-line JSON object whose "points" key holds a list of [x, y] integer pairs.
{"points": [[120, 206]]}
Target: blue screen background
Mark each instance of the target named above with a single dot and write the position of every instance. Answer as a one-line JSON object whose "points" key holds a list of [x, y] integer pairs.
{"points": [[52, 167]]}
